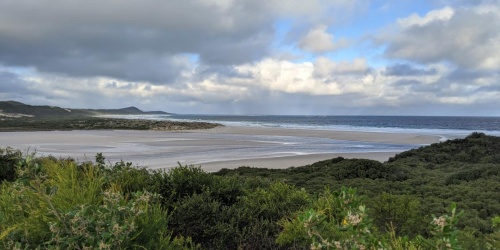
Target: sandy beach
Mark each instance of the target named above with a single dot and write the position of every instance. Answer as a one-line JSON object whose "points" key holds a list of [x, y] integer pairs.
{"points": [[223, 147]]}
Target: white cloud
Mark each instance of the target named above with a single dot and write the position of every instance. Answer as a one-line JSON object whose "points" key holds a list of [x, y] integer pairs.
{"points": [[466, 37], [444, 14], [289, 87], [287, 77], [325, 67], [318, 40]]}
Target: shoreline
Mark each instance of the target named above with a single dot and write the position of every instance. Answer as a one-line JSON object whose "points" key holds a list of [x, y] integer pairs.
{"points": [[216, 148]]}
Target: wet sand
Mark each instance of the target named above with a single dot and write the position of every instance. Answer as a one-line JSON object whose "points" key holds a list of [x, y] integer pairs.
{"points": [[403, 138], [224, 147]]}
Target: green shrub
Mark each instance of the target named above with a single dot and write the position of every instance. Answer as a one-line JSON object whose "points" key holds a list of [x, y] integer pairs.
{"points": [[206, 221], [8, 160], [234, 214], [398, 213], [62, 205], [264, 208], [339, 220]]}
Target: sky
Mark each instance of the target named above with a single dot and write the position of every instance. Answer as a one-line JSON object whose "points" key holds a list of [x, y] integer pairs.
{"points": [[274, 57]]}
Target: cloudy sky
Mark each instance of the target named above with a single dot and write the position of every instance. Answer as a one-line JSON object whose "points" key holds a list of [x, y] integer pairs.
{"points": [[337, 57]]}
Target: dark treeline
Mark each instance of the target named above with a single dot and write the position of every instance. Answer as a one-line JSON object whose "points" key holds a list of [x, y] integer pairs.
{"points": [[59, 203], [96, 123]]}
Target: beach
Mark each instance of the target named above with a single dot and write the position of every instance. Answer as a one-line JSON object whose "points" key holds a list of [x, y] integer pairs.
{"points": [[214, 149]]}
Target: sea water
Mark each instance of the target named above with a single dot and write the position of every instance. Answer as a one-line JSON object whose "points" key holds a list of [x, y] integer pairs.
{"points": [[431, 125]]}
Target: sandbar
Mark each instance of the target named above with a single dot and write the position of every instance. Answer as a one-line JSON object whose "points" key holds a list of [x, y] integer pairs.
{"points": [[214, 149]]}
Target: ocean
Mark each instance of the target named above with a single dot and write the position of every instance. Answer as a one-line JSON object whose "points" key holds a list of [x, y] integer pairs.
{"points": [[433, 125]]}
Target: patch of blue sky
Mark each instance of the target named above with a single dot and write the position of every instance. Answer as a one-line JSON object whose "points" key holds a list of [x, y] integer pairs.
{"points": [[281, 29], [379, 16], [193, 58], [401, 8], [22, 71]]}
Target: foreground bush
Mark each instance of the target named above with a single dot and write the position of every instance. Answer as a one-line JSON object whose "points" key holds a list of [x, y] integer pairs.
{"points": [[228, 213], [339, 220], [8, 160], [60, 205]]}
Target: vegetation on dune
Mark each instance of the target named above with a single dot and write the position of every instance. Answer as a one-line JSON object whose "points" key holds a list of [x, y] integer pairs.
{"points": [[92, 123], [444, 196], [476, 148], [427, 180]]}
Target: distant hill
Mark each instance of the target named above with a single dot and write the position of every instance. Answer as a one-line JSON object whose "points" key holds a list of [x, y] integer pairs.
{"points": [[18, 109]]}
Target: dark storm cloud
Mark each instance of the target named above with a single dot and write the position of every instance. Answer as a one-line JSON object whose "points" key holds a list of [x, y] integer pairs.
{"points": [[408, 70], [134, 40]]}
